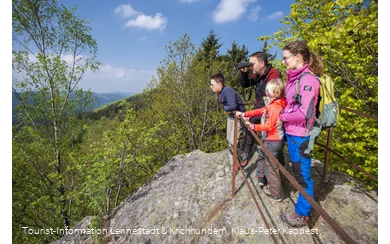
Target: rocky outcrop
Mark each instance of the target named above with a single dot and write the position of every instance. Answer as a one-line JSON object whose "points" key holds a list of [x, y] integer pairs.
{"points": [[189, 200]]}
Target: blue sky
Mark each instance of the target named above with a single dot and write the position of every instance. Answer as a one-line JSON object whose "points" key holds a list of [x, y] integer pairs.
{"points": [[132, 35]]}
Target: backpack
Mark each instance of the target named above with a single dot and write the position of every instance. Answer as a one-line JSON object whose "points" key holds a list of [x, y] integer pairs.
{"points": [[327, 109]]}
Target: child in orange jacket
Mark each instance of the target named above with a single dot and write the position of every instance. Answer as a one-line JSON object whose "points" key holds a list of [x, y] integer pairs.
{"points": [[272, 136]]}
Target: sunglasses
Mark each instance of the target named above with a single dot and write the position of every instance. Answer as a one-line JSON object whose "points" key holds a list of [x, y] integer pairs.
{"points": [[286, 58]]}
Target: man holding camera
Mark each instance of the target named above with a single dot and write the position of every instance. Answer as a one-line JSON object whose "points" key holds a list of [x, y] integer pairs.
{"points": [[262, 72]]}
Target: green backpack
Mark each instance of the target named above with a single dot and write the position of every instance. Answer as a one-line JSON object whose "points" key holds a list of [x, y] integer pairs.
{"points": [[327, 109]]}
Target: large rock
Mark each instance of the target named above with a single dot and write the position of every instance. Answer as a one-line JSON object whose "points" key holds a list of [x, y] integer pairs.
{"points": [[189, 200]]}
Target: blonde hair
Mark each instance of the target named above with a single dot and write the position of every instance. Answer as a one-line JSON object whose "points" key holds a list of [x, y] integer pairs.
{"points": [[275, 88]]}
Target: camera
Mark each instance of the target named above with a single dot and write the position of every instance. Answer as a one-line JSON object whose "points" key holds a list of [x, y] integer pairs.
{"points": [[243, 65]]}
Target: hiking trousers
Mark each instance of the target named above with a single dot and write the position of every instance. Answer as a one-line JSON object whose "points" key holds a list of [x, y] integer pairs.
{"points": [[271, 171], [301, 167]]}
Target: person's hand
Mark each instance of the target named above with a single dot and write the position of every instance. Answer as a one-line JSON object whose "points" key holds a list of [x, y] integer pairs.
{"points": [[244, 69], [238, 114], [252, 126]]}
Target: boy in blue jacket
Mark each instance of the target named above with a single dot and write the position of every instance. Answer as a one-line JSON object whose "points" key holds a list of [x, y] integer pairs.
{"points": [[231, 103]]}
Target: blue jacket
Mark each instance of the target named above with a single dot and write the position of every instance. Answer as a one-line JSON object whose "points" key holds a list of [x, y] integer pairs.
{"points": [[294, 116], [231, 100]]}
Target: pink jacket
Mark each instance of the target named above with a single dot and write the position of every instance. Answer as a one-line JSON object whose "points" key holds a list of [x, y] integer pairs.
{"points": [[294, 116]]}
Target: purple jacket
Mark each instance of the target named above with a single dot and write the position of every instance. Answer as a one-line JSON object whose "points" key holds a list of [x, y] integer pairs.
{"points": [[294, 116]]}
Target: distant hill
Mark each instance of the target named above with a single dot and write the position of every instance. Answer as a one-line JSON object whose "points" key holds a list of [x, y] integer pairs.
{"points": [[113, 109], [106, 98], [101, 99]]}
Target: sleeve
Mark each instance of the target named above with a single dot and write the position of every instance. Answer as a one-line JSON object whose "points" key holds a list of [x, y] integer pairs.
{"points": [[255, 112], [273, 117], [231, 103], [247, 81], [308, 89]]}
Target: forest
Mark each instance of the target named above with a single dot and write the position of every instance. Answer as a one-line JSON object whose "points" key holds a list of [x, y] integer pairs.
{"points": [[68, 163]]}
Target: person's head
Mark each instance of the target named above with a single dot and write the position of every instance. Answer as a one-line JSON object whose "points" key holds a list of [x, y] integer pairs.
{"points": [[260, 62], [296, 54], [217, 82], [275, 88]]}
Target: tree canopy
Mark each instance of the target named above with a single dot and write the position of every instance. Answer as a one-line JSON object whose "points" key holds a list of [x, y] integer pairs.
{"points": [[66, 167]]}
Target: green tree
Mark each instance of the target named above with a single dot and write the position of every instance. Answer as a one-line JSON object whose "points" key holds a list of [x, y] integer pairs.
{"points": [[52, 49], [210, 46], [183, 99], [233, 56], [116, 159], [345, 34]]}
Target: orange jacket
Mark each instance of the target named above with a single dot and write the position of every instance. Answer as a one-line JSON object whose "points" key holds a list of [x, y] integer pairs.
{"points": [[270, 118]]}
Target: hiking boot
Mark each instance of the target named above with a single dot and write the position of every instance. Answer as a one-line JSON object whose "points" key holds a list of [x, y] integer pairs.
{"points": [[294, 220], [268, 193], [244, 163], [243, 156], [261, 180]]}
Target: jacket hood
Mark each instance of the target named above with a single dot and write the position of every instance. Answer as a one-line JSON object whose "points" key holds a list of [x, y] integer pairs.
{"points": [[281, 101]]}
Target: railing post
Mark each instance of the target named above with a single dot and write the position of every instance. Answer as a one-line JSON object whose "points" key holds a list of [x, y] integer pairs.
{"points": [[234, 166], [327, 153]]}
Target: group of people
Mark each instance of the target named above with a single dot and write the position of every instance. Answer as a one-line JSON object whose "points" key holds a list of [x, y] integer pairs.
{"points": [[280, 117]]}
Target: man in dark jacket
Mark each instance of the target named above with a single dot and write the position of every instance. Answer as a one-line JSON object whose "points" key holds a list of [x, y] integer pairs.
{"points": [[262, 72]]}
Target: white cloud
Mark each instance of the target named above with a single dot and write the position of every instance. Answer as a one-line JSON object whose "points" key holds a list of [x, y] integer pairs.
{"points": [[31, 58], [276, 15], [158, 22], [106, 79], [143, 38], [148, 22], [112, 79], [68, 58], [253, 14], [230, 10], [125, 10]]}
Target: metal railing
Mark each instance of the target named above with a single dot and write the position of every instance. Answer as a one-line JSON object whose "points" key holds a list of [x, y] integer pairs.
{"points": [[336, 227], [328, 150]]}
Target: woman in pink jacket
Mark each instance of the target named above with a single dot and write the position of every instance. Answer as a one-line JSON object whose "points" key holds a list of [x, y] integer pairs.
{"points": [[298, 118]]}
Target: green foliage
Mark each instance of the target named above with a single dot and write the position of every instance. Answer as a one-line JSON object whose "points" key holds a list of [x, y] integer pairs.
{"points": [[37, 191], [66, 167], [233, 56], [183, 98], [51, 113], [95, 225], [345, 34], [118, 162], [209, 50], [111, 110]]}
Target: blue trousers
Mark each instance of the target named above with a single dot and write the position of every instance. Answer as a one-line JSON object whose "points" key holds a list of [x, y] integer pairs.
{"points": [[301, 166]]}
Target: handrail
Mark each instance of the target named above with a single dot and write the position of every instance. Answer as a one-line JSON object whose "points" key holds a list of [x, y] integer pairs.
{"points": [[349, 162], [328, 149], [336, 227], [359, 113], [235, 163]]}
